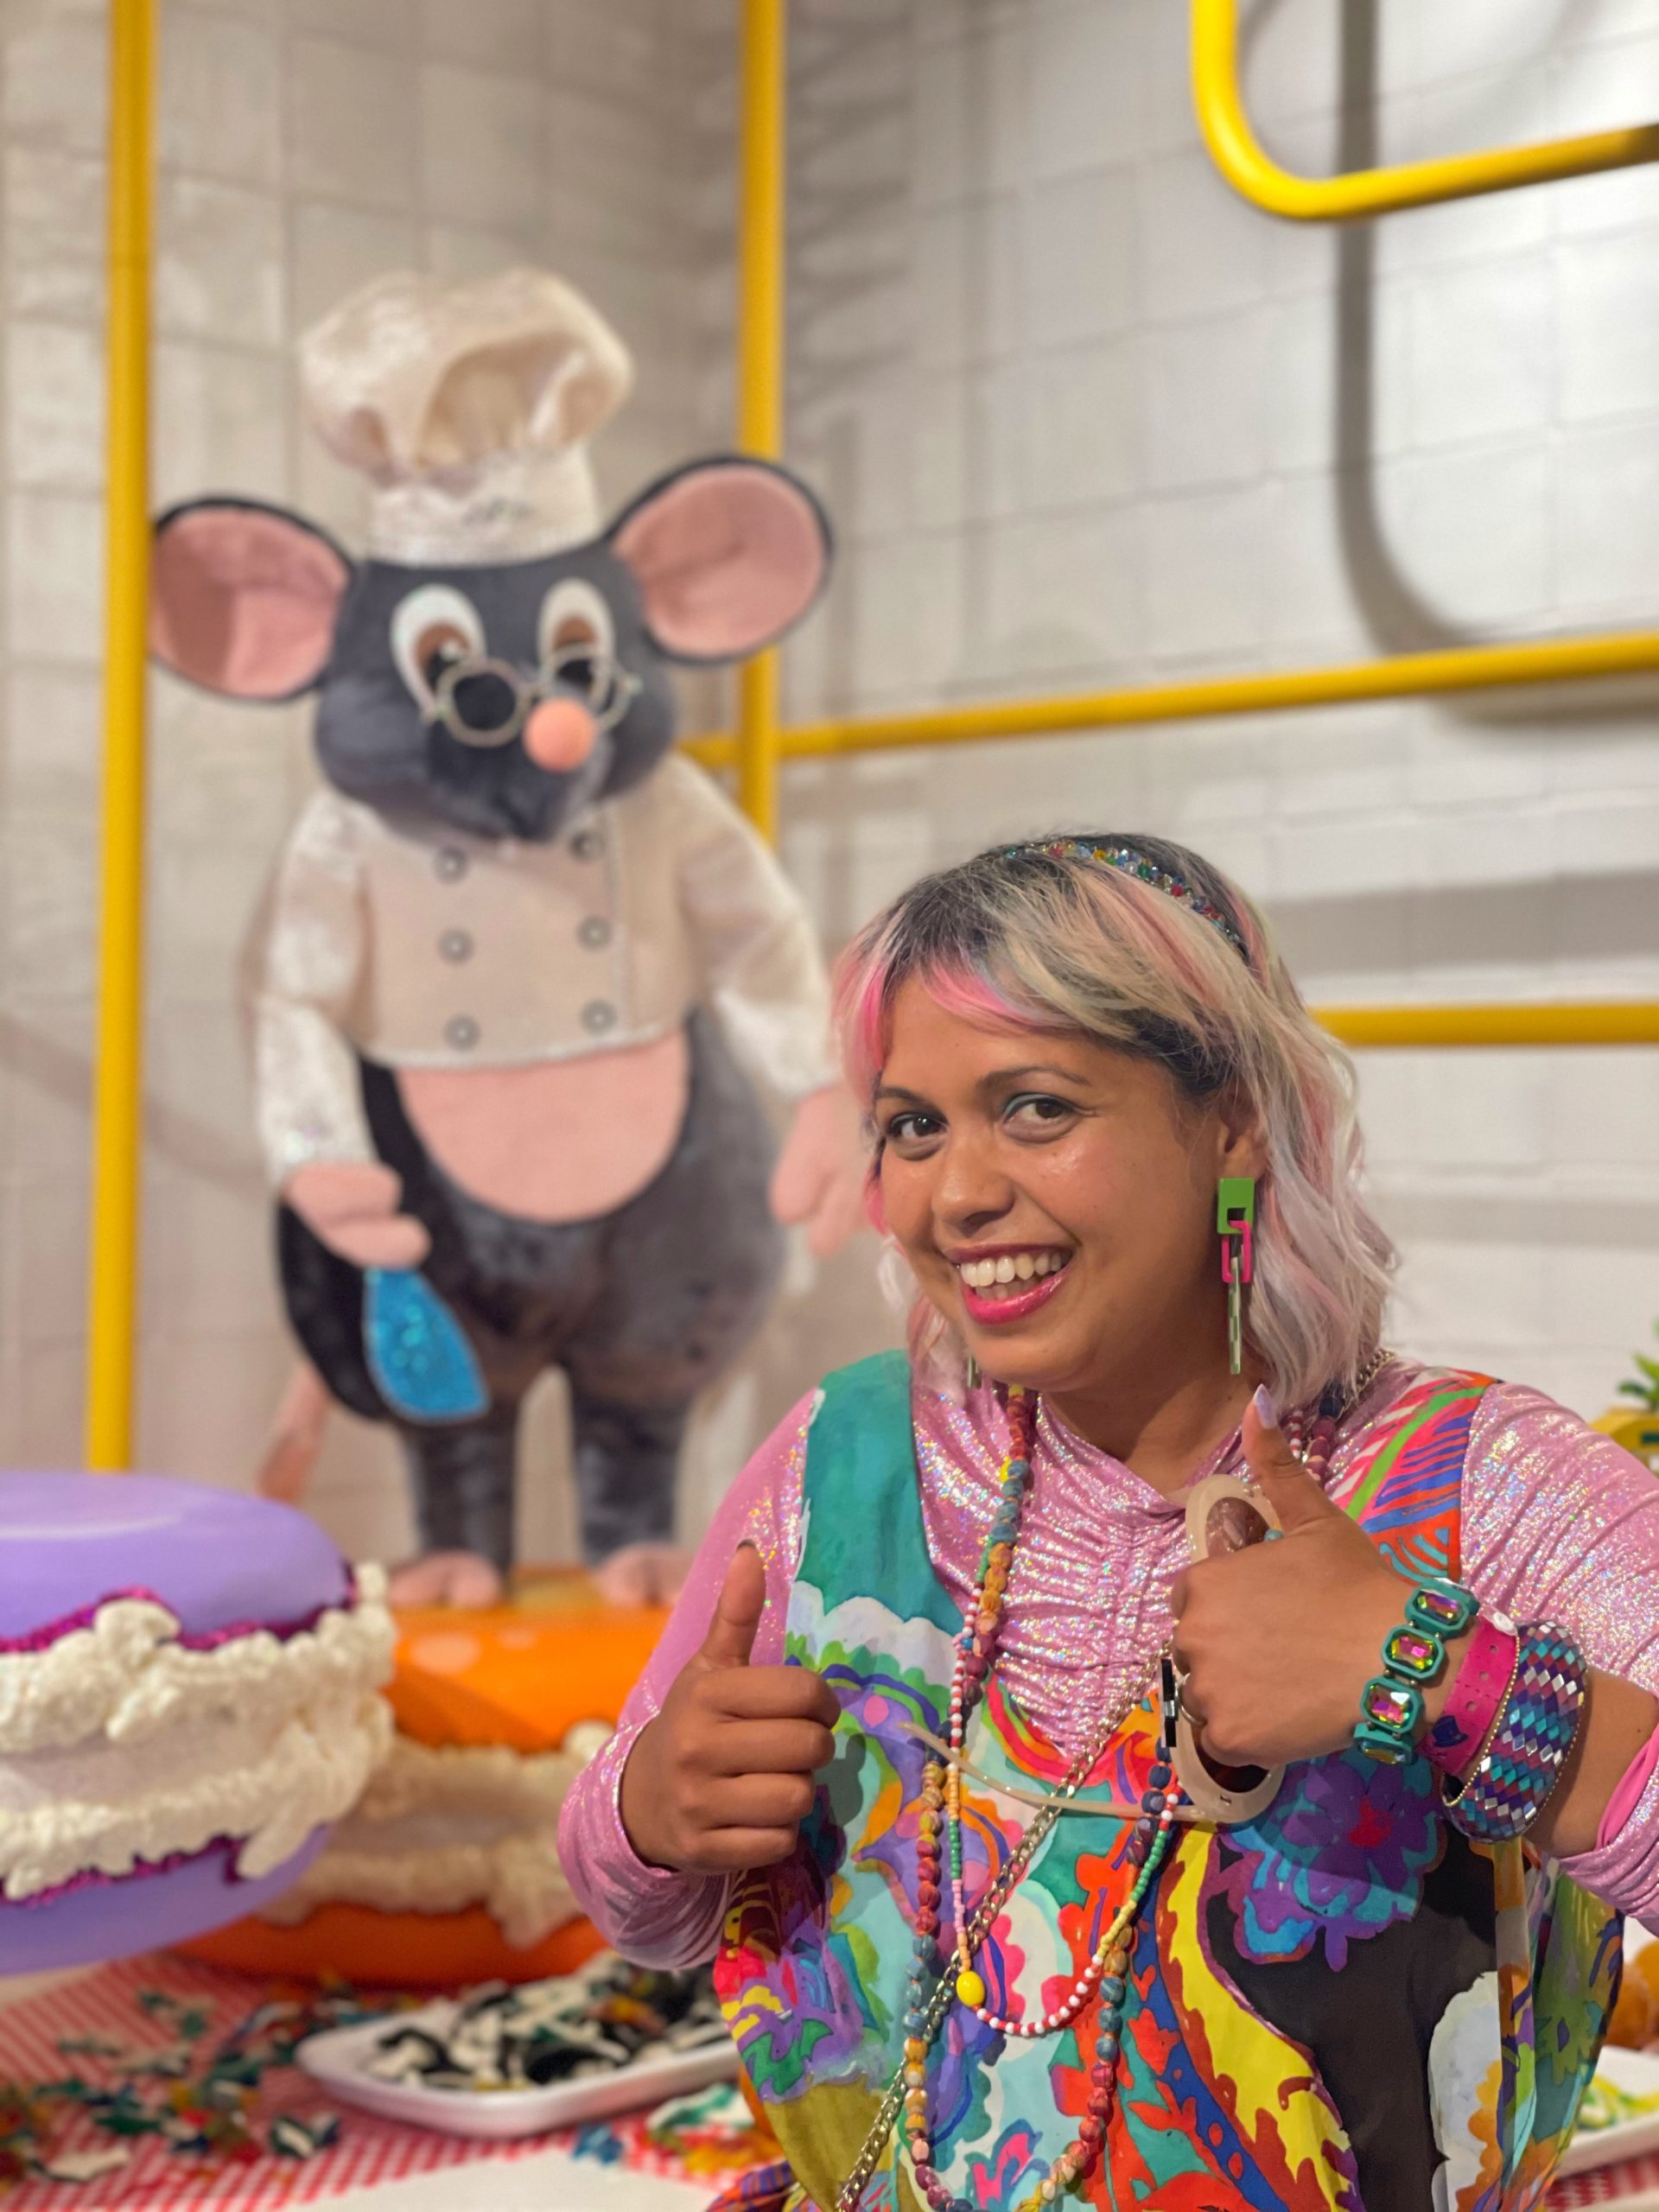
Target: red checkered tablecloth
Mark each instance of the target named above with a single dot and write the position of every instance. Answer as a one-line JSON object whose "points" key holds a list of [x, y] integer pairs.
{"points": [[369, 2151], [1635, 2185]]}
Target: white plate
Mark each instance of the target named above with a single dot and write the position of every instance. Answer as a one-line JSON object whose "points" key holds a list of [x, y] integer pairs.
{"points": [[1635, 2072], [338, 2059]]}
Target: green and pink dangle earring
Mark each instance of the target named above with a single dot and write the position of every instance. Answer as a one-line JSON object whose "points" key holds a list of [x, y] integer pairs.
{"points": [[1236, 1225]]}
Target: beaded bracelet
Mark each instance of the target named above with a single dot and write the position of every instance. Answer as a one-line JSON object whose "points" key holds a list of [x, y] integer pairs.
{"points": [[1391, 1704], [1513, 1779]]}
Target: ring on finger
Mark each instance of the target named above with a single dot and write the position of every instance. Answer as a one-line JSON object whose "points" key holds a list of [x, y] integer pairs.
{"points": [[1193, 1712]]}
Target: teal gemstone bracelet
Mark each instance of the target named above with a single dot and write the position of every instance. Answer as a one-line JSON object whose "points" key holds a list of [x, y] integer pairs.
{"points": [[1391, 1704]]}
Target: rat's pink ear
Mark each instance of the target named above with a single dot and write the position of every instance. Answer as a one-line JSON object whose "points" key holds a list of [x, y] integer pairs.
{"points": [[728, 555], [244, 597]]}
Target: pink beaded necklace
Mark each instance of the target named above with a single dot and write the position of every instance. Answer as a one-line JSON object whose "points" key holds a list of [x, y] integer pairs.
{"points": [[1106, 1970], [939, 1823]]}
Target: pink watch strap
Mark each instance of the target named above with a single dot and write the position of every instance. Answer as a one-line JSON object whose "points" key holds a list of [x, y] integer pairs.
{"points": [[1478, 1690]]}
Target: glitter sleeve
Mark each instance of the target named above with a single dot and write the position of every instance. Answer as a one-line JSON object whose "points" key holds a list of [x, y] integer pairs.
{"points": [[649, 1913], [1562, 1524]]}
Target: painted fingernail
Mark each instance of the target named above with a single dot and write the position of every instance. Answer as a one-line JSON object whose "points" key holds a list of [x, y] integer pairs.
{"points": [[1267, 1410]]}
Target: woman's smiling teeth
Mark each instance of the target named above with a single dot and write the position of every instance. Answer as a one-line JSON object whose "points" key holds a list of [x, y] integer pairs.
{"points": [[1009, 1267]]}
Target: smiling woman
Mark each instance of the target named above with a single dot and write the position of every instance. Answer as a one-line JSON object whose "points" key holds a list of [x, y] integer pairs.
{"points": [[1168, 1041], [1051, 1836]]}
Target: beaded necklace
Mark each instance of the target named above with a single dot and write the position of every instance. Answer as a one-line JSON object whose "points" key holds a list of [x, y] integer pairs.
{"points": [[1106, 1970], [929, 1989]]}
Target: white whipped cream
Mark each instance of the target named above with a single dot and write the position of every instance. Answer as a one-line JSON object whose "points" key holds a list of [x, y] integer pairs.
{"points": [[443, 1830], [117, 1745]]}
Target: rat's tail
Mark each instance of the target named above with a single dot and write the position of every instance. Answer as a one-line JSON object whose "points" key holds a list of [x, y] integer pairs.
{"points": [[296, 1437]]}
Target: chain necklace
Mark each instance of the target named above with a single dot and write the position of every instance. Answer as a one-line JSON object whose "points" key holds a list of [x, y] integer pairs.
{"points": [[1106, 1970]]}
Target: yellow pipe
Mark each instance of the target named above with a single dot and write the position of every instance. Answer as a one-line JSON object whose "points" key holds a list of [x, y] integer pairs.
{"points": [[118, 1130], [764, 99], [1631, 1022], [1402, 675], [1239, 157]]}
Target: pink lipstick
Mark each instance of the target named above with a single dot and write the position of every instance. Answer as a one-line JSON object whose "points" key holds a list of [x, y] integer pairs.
{"points": [[991, 1313]]}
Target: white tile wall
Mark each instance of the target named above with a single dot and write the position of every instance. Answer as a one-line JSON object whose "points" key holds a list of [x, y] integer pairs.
{"points": [[1608, 541], [55, 92], [52, 573], [216, 116], [53, 219], [55, 406], [1078, 443], [52, 738], [1609, 326], [1087, 87], [1201, 250], [1476, 523], [1205, 397], [221, 417], [218, 262], [968, 294], [354, 124], [508, 33], [1205, 585], [481, 138], [1480, 358]]}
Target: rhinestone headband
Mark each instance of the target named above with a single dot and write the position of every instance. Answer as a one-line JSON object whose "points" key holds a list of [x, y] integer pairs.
{"points": [[1128, 861]]}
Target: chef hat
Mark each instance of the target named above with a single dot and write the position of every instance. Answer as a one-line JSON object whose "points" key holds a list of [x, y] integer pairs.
{"points": [[469, 406]]}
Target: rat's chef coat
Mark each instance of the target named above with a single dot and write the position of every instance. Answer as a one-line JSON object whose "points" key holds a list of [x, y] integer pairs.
{"points": [[420, 947]]}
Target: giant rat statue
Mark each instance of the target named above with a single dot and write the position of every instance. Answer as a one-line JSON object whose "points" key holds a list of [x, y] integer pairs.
{"points": [[507, 951]]}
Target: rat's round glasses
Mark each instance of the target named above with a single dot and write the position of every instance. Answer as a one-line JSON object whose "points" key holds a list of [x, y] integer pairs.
{"points": [[484, 702]]}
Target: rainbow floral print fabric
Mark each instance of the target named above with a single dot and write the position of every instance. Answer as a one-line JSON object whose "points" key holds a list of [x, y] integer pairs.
{"points": [[1288, 1976]]}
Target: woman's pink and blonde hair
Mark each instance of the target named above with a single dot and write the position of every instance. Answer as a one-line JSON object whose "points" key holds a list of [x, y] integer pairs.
{"points": [[1048, 937]]}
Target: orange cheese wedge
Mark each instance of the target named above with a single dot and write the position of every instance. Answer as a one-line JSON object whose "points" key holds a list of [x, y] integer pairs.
{"points": [[525, 1672], [394, 1950]]}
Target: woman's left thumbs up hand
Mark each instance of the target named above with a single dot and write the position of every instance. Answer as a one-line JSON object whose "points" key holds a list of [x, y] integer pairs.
{"points": [[1278, 1641]]}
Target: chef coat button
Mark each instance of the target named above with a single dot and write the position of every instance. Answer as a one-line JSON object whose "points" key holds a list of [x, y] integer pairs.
{"points": [[449, 863], [455, 944], [587, 844], [598, 1015], [460, 1032], [595, 932]]}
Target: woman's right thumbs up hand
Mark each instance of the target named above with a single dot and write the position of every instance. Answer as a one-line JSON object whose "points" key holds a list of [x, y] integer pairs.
{"points": [[721, 1779]]}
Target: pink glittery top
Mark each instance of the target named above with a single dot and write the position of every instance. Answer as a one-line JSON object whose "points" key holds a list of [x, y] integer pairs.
{"points": [[1560, 1524]]}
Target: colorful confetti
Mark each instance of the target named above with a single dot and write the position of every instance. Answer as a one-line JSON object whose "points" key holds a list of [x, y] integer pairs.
{"points": [[197, 2094], [250, 2028]]}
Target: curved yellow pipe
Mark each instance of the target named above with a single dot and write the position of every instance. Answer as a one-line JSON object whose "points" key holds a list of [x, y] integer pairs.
{"points": [[1239, 157], [1402, 675], [763, 101], [1615, 1022], [117, 1134]]}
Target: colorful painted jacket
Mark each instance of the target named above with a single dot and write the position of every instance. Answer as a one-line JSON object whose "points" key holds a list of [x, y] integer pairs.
{"points": [[1342, 2004]]}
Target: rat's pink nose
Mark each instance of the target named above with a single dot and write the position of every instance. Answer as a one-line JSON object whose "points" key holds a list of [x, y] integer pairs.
{"points": [[560, 734]]}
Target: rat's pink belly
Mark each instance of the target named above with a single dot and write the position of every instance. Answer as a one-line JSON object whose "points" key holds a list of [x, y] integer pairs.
{"points": [[562, 1141]]}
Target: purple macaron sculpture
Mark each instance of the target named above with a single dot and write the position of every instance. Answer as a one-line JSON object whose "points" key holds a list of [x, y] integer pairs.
{"points": [[189, 1697]]}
